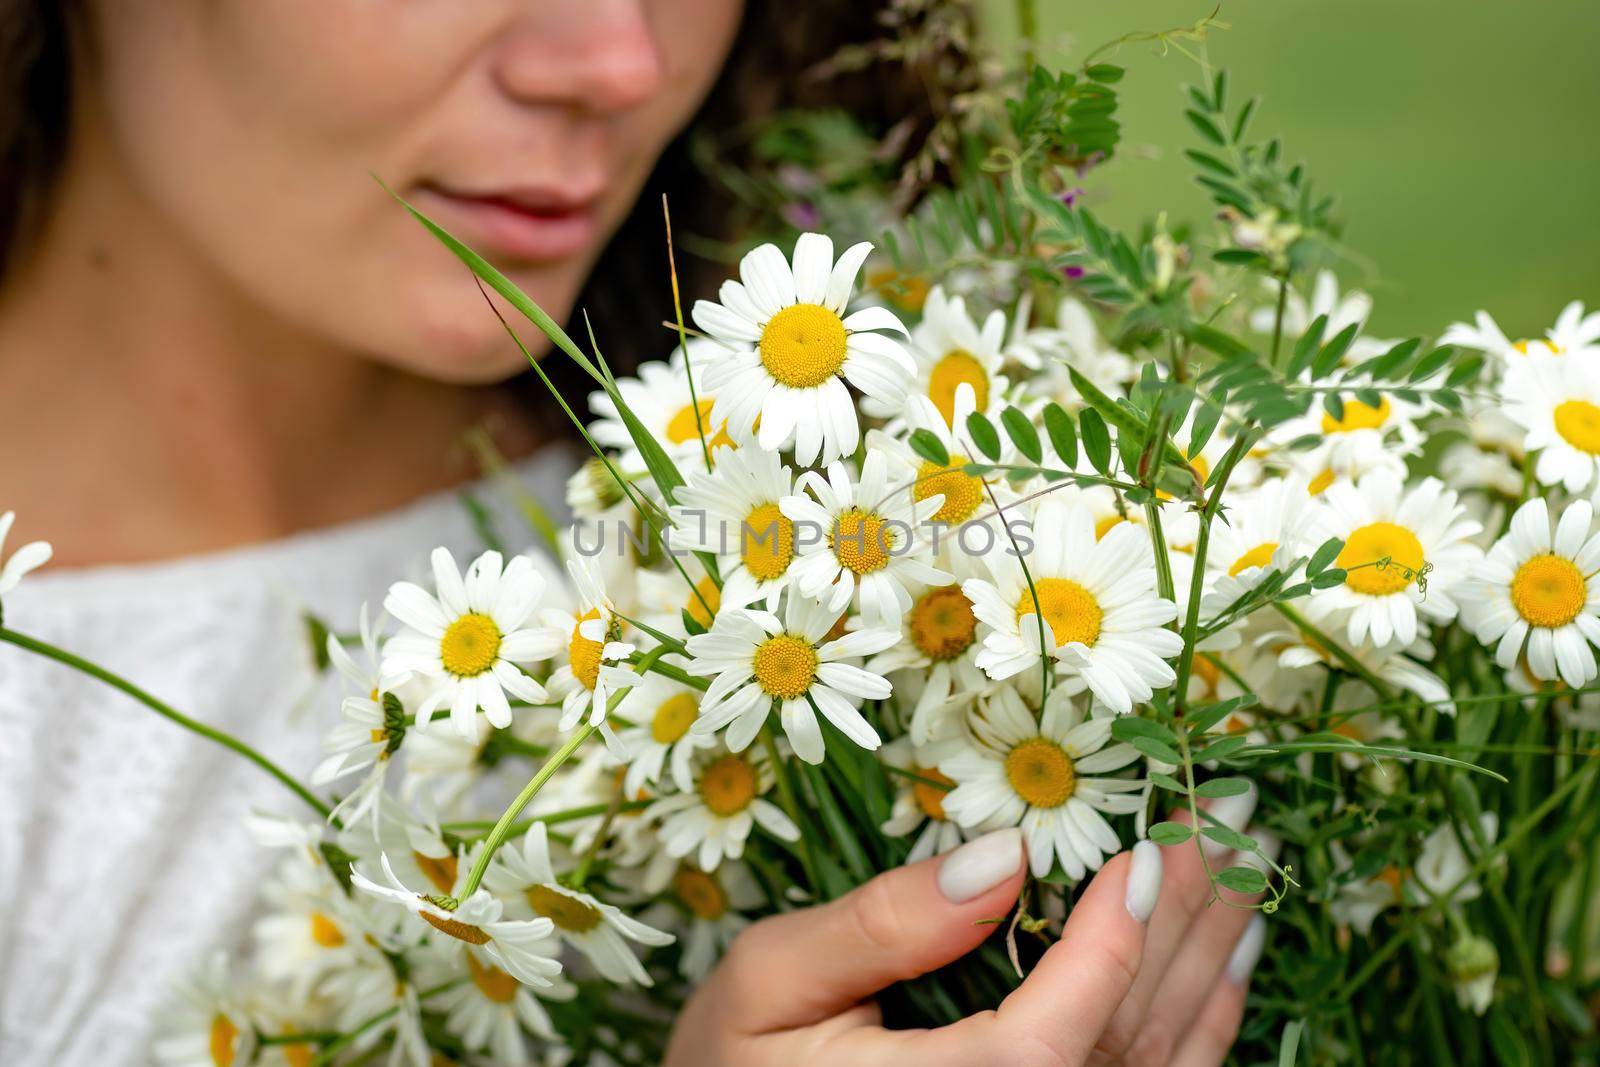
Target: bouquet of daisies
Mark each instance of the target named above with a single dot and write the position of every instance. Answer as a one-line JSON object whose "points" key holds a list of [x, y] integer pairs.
{"points": [[1005, 520]]}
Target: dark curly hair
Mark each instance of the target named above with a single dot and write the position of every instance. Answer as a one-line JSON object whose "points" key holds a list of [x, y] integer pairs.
{"points": [[777, 63]]}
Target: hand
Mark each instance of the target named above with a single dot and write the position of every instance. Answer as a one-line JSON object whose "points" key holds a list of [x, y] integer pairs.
{"points": [[1144, 973]]}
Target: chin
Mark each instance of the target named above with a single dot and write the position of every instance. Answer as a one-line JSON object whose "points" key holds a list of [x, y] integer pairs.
{"points": [[452, 335]]}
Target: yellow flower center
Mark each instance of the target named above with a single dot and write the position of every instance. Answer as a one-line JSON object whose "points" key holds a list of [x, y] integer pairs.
{"points": [[224, 1039], [674, 717], [803, 346], [568, 913], [701, 608], [1549, 590], [1578, 423], [861, 543], [324, 932], [1205, 668], [1259, 556], [441, 871], [1104, 526], [491, 981], [785, 666], [956, 369], [1524, 346], [470, 646], [301, 1055], [766, 544], [1070, 610], [1320, 482], [1392, 877], [728, 785], [1358, 416], [685, 427], [942, 623], [1041, 773], [1376, 542], [456, 928], [930, 798], [962, 492], [585, 654], [700, 893]]}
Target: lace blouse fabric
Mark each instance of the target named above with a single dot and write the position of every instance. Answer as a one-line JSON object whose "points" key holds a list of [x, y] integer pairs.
{"points": [[124, 856]]}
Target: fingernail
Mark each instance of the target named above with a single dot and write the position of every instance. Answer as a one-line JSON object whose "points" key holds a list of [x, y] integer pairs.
{"points": [[1233, 812], [1144, 881], [1247, 951], [978, 866]]}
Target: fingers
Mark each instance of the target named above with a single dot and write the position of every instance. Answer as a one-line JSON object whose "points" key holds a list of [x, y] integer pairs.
{"points": [[1207, 1042], [1064, 1005], [1185, 891], [804, 967]]}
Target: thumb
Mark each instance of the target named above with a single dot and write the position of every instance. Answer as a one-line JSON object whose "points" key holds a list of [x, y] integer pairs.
{"points": [[902, 924]]}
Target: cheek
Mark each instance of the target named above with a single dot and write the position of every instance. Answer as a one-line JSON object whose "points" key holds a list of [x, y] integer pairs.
{"points": [[254, 130]]}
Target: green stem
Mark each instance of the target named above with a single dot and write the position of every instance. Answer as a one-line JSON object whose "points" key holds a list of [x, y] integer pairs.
{"points": [[328, 1054], [1277, 317], [210, 733], [1345, 658], [502, 828], [791, 806]]}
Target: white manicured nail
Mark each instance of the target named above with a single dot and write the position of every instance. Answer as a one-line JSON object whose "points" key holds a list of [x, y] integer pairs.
{"points": [[978, 866], [1247, 951], [1233, 812], [1144, 880]]}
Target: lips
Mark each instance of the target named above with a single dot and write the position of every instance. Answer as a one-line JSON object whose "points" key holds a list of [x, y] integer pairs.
{"points": [[532, 225]]}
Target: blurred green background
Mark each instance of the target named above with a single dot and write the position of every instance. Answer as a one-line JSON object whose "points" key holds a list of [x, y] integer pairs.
{"points": [[1462, 138]]}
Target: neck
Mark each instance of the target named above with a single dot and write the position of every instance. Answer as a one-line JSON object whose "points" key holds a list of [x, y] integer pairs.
{"points": [[152, 409]]}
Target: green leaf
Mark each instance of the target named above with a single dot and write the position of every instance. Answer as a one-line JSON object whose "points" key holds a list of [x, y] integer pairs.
{"points": [[1289, 1046], [984, 435], [1222, 787], [1206, 128], [1205, 423], [1333, 404], [1431, 364], [1228, 837], [1211, 163], [1169, 783], [1329, 578], [1129, 727], [1215, 340], [1334, 351], [1306, 347], [926, 444], [1203, 719], [1242, 879], [1058, 424], [1104, 73], [1022, 433], [1170, 833], [1096, 441], [1382, 367], [1219, 750], [1149, 746], [1325, 554]]}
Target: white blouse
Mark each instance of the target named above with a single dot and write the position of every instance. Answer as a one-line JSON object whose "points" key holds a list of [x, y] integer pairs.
{"points": [[124, 857]]}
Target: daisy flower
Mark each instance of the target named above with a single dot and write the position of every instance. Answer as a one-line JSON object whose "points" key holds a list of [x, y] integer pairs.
{"points": [[592, 633], [1541, 590], [734, 512], [869, 548], [522, 947], [1092, 602], [664, 710], [1343, 310], [205, 1026], [1263, 530], [953, 355], [790, 349], [1398, 543], [492, 1012], [1557, 402], [311, 930], [598, 930], [714, 902], [1074, 340], [660, 398], [468, 640], [919, 801], [712, 822], [1362, 438], [937, 652], [1572, 330], [29, 557], [373, 728], [1017, 771], [759, 662], [956, 502]]}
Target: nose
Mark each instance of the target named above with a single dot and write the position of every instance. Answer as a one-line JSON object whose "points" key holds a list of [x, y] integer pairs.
{"points": [[601, 55]]}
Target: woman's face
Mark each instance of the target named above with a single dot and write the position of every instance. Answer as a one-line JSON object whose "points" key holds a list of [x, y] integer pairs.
{"points": [[525, 127]]}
